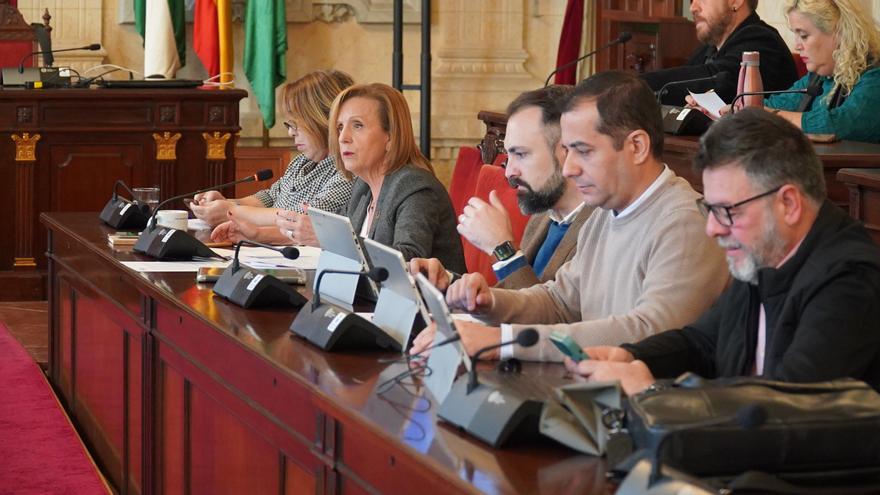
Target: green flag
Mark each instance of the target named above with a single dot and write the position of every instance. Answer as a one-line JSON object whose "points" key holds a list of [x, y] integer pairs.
{"points": [[161, 24], [265, 46]]}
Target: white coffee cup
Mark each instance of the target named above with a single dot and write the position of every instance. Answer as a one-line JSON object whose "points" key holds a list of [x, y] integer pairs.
{"points": [[173, 219]]}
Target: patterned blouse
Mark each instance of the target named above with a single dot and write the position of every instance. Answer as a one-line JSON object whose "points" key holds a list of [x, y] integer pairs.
{"points": [[317, 184]]}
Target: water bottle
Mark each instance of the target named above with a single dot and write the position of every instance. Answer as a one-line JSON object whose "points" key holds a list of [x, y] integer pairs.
{"points": [[750, 81]]}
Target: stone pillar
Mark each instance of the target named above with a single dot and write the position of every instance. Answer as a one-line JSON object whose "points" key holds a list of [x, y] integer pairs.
{"points": [[479, 64]]}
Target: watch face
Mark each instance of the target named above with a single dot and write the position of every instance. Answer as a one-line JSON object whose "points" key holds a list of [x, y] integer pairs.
{"points": [[504, 251]]}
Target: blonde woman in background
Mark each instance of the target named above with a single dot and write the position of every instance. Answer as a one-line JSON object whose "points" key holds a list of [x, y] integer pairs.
{"points": [[396, 198], [840, 44], [311, 179]]}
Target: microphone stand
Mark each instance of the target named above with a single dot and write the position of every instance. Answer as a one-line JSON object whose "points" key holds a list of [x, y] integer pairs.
{"points": [[251, 288], [171, 244], [334, 328], [623, 38], [495, 414], [122, 214], [769, 93]]}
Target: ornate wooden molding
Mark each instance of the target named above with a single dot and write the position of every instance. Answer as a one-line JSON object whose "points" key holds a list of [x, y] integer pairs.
{"points": [[166, 145], [26, 147], [24, 263], [216, 144], [24, 212]]}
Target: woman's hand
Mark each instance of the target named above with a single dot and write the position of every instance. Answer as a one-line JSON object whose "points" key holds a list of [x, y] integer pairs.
{"points": [[297, 227]]}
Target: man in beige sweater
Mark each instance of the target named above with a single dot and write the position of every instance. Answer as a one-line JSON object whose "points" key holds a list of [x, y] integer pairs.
{"points": [[643, 263]]}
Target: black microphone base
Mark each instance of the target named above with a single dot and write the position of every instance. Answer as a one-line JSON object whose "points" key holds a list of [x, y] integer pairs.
{"points": [[166, 244], [494, 414], [250, 288], [684, 121], [333, 328], [122, 214]]}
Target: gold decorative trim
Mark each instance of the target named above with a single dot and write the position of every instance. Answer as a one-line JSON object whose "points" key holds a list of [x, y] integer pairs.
{"points": [[26, 147], [166, 145], [25, 262], [216, 145]]}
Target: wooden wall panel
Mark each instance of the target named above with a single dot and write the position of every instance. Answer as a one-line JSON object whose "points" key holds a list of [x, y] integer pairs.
{"points": [[99, 403], [134, 393], [249, 160], [171, 431], [62, 369], [226, 456]]}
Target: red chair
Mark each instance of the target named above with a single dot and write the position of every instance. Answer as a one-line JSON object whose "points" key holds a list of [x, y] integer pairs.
{"points": [[17, 37], [464, 177], [490, 178]]}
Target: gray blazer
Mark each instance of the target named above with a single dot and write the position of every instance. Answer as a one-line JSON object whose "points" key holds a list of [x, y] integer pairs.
{"points": [[413, 215]]}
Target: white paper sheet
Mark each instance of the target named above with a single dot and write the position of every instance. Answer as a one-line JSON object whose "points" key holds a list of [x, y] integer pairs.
{"points": [[710, 101], [259, 257], [171, 266]]}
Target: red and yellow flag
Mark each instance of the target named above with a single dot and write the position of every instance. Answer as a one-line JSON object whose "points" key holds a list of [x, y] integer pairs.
{"points": [[212, 37]]}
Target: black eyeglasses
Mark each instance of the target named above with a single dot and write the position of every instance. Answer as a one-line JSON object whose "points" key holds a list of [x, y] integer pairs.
{"points": [[722, 212], [290, 126]]}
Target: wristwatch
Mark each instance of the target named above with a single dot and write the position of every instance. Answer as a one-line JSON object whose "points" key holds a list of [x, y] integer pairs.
{"points": [[504, 251]]}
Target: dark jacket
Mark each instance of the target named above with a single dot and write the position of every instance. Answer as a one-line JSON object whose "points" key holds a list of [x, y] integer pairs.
{"points": [[413, 215], [822, 315], [778, 71]]}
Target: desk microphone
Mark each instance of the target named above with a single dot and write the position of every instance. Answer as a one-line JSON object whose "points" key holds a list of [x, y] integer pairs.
{"points": [[122, 213], [747, 417], [260, 176], [623, 38], [812, 91], [665, 88], [525, 338], [250, 288], [334, 328], [376, 274], [163, 243], [50, 60], [495, 413]]}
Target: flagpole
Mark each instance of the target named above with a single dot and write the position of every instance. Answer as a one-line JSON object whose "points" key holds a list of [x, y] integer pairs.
{"points": [[227, 65]]}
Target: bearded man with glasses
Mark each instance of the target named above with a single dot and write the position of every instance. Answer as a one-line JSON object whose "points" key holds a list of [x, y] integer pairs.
{"points": [[804, 303]]}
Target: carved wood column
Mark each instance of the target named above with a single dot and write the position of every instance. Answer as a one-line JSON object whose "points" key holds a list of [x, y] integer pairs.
{"points": [[25, 159], [166, 156], [215, 154]]}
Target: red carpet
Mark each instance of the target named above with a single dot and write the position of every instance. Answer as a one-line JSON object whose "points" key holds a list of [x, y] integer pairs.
{"points": [[39, 449]]}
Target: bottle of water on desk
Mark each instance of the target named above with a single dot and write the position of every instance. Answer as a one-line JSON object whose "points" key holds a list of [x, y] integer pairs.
{"points": [[749, 81]]}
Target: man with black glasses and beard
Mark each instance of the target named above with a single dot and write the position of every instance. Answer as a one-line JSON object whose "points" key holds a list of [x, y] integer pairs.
{"points": [[534, 168]]}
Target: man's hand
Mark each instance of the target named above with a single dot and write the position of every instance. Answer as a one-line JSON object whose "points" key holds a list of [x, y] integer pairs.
{"points": [[474, 337], [485, 225], [296, 226], [471, 293], [213, 212], [433, 269], [633, 376]]}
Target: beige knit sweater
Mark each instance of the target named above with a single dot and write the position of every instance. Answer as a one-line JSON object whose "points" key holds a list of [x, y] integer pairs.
{"points": [[652, 270]]}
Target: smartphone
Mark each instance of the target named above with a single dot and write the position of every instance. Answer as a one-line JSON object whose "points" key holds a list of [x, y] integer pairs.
{"points": [[568, 346], [294, 276]]}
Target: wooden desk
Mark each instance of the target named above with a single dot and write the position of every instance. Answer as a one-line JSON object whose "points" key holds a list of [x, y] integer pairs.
{"points": [[63, 149], [864, 196], [679, 152], [176, 391]]}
